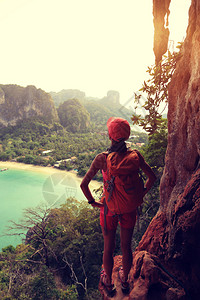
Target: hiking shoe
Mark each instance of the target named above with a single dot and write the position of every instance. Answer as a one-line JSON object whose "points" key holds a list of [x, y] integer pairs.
{"points": [[124, 284], [109, 288]]}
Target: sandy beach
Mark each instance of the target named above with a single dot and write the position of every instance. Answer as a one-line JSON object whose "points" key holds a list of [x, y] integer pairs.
{"points": [[46, 170]]}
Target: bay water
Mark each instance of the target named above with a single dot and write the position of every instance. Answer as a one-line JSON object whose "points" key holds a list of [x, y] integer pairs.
{"points": [[22, 188]]}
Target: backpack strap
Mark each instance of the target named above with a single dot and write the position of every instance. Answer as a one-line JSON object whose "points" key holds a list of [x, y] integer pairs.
{"points": [[110, 187], [105, 214]]}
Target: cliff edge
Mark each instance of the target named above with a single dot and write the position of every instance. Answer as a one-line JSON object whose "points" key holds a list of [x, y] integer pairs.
{"points": [[166, 262]]}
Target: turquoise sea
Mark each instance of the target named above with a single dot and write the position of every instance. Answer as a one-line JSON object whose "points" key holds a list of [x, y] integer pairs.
{"points": [[21, 188]]}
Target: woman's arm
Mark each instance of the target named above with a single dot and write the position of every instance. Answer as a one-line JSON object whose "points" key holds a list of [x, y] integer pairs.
{"points": [[96, 165], [151, 177]]}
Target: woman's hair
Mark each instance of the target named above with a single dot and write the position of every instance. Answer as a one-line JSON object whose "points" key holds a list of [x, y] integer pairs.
{"points": [[119, 147]]}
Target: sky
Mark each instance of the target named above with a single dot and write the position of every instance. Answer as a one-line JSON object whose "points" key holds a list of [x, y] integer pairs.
{"points": [[91, 45]]}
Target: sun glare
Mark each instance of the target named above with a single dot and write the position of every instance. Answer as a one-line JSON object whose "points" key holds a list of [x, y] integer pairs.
{"points": [[88, 45]]}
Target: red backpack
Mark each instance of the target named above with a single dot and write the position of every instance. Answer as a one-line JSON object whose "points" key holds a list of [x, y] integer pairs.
{"points": [[124, 187]]}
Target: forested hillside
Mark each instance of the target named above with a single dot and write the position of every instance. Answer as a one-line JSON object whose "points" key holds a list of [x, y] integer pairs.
{"points": [[29, 141], [73, 116], [99, 109]]}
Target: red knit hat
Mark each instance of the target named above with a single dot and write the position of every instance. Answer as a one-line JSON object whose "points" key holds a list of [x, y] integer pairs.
{"points": [[118, 128]]}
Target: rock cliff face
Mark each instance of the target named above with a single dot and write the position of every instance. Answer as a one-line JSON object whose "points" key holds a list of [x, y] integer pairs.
{"points": [[166, 263], [161, 31], [112, 98], [18, 103], [65, 95]]}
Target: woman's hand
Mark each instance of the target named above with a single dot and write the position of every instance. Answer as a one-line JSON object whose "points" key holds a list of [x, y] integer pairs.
{"points": [[97, 204], [145, 192]]}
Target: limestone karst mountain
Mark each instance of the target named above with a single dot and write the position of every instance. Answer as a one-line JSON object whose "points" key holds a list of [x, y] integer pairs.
{"points": [[166, 263], [100, 109], [65, 95], [73, 116], [18, 103]]}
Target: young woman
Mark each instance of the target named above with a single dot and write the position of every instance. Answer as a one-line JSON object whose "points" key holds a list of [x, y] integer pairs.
{"points": [[119, 131]]}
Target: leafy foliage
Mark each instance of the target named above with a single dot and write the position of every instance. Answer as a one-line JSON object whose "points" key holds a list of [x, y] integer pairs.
{"points": [[70, 234], [155, 149], [155, 90]]}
